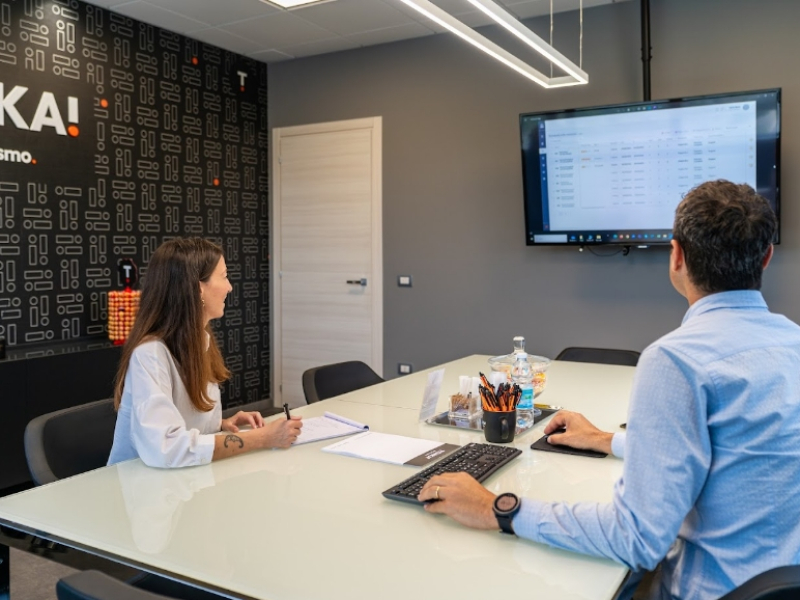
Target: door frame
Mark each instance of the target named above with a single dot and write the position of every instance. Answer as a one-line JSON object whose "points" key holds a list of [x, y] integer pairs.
{"points": [[375, 125]]}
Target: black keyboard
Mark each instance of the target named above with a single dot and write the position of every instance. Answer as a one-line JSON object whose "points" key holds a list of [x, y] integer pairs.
{"points": [[479, 460]]}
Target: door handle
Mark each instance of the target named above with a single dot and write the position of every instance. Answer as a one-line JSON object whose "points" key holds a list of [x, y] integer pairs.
{"points": [[362, 282]]}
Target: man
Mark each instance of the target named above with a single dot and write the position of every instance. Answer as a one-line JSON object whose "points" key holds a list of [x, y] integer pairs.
{"points": [[711, 480]]}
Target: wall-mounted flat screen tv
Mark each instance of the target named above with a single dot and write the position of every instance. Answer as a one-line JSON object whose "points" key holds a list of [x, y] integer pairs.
{"points": [[614, 174]]}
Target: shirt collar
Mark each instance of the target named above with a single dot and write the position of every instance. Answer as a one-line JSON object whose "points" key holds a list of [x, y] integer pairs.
{"points": [[732, 299]]}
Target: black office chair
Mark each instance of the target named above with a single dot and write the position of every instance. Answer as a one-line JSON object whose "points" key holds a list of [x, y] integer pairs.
{"points": [[780, 583], [605, 356], [94, 585], [76, 439], [70, 441], [321, 383]]}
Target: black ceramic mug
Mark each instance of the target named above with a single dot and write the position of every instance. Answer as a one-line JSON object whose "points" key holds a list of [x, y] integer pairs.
{"points": [[499, 427]]}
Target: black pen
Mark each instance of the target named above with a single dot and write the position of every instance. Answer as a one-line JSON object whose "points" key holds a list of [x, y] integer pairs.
{"points": [[286, 410]]}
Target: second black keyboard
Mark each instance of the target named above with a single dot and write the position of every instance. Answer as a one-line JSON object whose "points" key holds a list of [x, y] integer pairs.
{"points": [[479, 460]]}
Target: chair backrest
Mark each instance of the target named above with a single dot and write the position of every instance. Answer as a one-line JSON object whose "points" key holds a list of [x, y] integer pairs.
{"points": [[321, 383], [70, 441], [94, 585], [605, 356], [780, 583]]}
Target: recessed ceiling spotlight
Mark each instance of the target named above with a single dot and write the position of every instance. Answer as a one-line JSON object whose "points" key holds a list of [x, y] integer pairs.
{"points": [[293, 3]]}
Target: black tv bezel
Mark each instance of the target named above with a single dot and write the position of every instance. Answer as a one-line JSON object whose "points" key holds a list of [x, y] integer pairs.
{"points": [[610, 109]]}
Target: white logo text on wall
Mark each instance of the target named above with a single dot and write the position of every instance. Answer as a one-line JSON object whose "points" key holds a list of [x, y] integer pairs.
{"points": [[47, 113]]}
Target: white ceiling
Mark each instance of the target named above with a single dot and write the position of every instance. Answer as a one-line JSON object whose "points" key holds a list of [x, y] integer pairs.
{"points": [[270, 34]]}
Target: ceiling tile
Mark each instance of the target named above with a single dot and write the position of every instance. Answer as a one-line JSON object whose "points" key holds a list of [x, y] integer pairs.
{"points": [[416, 16], [278, 30], [336, 44], [537, 8], [270, 56], [529, 9], [144, 11], [473, 19], [223, 39], [453, 6], [460, 9], [347, 17], [390, 34], [215, 12]]}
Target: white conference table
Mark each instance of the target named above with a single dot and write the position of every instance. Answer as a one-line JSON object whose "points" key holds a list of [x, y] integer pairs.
{"points": [[305, 524]]}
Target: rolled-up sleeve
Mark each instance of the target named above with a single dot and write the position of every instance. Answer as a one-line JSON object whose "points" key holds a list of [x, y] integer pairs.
{"points": [[158, 431]]}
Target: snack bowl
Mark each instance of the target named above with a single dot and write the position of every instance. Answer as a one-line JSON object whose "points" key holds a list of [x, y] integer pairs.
{"points": [[539, 366]]}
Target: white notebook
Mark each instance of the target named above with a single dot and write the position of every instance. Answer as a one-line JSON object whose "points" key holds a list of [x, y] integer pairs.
{"points": [[328, 426], [395, 449]]}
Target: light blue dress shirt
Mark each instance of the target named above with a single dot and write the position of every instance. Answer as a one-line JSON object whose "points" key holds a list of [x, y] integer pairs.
{"points": [[711, 478]]}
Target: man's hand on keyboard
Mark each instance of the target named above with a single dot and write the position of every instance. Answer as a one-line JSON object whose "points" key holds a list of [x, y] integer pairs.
{"points": [[462, 498]]}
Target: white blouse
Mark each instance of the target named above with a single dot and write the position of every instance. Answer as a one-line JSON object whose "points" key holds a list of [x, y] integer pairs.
{"points": [[156, 420]]}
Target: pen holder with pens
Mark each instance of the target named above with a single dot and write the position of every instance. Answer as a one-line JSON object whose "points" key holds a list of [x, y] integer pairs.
{"points": [[499, 427], [499, 410]]}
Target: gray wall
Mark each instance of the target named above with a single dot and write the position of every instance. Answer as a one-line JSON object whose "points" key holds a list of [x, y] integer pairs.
{"points": [[453, 215]]}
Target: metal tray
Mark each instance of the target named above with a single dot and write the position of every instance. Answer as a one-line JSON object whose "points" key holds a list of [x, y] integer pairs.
{"points": [[476, 424]]}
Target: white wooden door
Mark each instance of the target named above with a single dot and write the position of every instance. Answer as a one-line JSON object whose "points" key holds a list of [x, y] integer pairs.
{"points": [[327, 250]]}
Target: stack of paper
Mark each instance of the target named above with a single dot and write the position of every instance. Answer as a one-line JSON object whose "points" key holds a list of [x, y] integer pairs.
{"points": [[328, 426], [395, 449]]}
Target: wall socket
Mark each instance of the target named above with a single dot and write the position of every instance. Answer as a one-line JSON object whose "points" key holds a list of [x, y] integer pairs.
{"points": [[404, 368], [404, 280]]}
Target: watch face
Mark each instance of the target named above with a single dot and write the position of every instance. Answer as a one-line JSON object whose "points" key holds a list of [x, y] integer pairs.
{"points": [[506, 502]]}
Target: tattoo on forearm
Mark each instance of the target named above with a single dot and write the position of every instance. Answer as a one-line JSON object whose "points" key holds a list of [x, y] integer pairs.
{"points": [[233, 439]]}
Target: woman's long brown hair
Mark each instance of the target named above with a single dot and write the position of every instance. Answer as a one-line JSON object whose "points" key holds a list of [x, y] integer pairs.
{"points": [[171, 310]]}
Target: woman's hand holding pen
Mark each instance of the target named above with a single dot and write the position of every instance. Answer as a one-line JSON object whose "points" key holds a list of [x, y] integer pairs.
{"points": [[232, 424], [280, 433]]}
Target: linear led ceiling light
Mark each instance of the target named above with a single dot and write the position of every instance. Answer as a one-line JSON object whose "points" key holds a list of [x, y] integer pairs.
{"points": [[292, 3], [576, 75]]}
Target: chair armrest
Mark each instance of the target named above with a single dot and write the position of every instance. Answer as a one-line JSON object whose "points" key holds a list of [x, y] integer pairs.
{"points": [[35, 454]]}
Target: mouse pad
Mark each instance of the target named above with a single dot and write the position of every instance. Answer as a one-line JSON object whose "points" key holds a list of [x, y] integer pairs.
{"points": [[542, 444]]}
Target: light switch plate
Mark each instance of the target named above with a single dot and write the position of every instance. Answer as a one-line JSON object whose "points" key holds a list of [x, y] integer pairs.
{"points": [[404, 280]]}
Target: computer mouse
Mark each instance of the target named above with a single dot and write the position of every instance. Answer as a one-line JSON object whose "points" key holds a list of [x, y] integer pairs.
{"points": [[557, 431]]}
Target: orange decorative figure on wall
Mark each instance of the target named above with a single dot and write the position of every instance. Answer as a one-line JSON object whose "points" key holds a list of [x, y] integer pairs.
{"points": [[123, 304]]}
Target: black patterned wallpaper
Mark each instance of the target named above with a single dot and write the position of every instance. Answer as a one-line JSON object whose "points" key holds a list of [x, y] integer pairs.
{"points": [[115, 136]]}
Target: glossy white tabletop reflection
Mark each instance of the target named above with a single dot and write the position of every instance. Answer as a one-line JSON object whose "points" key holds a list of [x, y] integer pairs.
{"points": [[303, 523]]}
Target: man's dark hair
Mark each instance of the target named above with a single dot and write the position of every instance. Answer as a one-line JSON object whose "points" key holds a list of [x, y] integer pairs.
{"points": [[725, 230]]}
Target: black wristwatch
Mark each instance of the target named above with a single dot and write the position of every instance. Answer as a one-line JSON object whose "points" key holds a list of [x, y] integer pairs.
{"points": [[505, 507]]}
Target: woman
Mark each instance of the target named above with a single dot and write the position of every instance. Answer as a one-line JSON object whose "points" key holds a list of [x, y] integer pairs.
{"points": [[167, 387]]}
